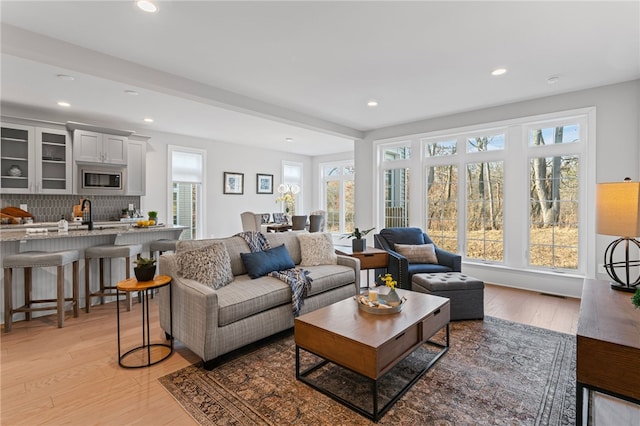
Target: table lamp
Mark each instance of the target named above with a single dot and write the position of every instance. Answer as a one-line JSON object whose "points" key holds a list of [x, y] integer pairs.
{"points": [[618, 214]]}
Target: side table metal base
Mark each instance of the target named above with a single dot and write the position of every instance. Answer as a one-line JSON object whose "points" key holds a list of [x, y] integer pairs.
{"points": [[145, 359]]}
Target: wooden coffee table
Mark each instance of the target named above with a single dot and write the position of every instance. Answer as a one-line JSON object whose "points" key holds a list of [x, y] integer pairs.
{"points": [[368, 344]]}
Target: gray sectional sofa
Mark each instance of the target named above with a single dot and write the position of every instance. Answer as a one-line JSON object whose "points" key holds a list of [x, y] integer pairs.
{"points": [[212, 322]]}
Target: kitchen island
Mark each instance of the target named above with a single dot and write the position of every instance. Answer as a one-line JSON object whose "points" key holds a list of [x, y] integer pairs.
{"points": [[45, 237]]}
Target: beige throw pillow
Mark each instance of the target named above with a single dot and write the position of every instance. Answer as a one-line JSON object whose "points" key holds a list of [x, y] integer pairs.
{"points": [[317, 249], [422, 253], [210, 265]]}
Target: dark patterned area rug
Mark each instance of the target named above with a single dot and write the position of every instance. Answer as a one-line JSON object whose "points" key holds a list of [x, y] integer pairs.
{"points": [[496, 373]]}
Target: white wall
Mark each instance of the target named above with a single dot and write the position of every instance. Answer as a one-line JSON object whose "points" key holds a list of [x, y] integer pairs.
{"points": [[617, 156], [222, 211]]}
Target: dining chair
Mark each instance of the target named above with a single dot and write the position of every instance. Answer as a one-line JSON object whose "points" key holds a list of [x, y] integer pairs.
{"points": [[316, 223], [299, 222]]}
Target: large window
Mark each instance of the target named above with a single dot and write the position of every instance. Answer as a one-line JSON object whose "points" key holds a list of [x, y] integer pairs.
{"points": [[442, 206], [187, 181], [554, 185], [534, 169], [292, 177], [484, 211], [338, 195], [395, 161]]}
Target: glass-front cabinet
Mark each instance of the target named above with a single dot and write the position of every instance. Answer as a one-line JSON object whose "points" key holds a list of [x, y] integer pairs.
{"points": [[35, 160]]}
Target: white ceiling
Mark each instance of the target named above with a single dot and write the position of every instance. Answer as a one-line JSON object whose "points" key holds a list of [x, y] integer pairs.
{"points": [[256, 73]]}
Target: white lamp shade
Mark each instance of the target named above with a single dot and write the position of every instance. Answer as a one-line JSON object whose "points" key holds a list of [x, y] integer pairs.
{"points": [[618, 209]]}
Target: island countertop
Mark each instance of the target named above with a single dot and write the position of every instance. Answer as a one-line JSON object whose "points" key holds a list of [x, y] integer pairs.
{"points": [[37, 231]]}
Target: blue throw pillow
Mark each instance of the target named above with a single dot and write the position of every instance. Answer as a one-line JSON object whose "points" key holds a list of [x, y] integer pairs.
{"points": [[262, 262]]}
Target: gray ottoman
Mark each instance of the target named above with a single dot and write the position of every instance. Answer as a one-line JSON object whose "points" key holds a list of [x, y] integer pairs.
{"points": [[466, 294]]}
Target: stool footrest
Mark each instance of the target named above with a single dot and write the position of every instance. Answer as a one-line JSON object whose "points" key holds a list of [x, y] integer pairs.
{"points": [[26, 308]]}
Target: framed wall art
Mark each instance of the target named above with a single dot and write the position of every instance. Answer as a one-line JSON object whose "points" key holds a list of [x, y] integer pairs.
{"points": [[233, 183], [264, 184]]}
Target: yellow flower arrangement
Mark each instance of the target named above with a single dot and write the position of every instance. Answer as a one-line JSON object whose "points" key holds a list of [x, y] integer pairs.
{"points": [[289, 200], [389, 281]]}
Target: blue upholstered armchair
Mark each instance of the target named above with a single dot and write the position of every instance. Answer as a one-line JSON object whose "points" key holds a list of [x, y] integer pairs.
{"points": [[400, 267]]}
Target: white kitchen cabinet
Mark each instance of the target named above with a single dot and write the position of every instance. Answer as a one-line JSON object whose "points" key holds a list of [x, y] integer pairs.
{"points": [[136, 169], [35, 160], [94, 147]]}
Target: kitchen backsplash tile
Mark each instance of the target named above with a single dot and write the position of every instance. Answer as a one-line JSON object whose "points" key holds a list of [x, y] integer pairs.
{"points": [[49, 208]]}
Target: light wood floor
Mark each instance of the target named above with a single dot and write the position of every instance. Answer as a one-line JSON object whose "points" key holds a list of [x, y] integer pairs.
{"points": [[55, 376]]}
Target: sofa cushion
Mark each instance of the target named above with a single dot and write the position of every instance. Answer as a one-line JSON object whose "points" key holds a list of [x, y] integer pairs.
{"points": [[419, 253], [209, 265], [317, 249], [234, 245], [403, 236], [290, 241], [262, 262], [418, 268], [245, 297], [328, 277]]}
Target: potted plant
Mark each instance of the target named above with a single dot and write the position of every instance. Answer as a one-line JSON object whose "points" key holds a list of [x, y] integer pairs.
{"points": [[145, 269], [636, 299], [153, 215], [358, 243]]}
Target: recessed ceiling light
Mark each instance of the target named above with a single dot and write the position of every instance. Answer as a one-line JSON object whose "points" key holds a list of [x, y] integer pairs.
{"points": [[147, 6], [65, 77], [288, 139], [148, 120], [64, 104], [499, 71], [553, 79], [372, 103], [131, 92]]}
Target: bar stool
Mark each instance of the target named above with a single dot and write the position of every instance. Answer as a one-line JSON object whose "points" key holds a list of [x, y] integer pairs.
{"points": [[107, 252], [161, 246], [39, 259]]}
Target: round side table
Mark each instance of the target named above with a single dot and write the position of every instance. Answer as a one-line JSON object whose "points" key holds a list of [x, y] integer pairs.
{"points": [[147, 287]]}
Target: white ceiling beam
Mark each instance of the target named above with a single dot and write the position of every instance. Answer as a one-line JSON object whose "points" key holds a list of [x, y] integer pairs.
{"points": [[35, 47]]}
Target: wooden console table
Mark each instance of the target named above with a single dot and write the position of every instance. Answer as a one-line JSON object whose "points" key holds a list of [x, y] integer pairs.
{"points": [[608, 344]]}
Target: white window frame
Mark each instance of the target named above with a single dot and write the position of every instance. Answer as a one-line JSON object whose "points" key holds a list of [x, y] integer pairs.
{"points": [[300, 196], [340, 177], [516, 185], [201, 207]]}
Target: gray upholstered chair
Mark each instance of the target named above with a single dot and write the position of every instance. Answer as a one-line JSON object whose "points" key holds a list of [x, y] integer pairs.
{"points": [[316, 223], [400, 268], [251, 221], [279, 218], [323, 223], [298, 222]]}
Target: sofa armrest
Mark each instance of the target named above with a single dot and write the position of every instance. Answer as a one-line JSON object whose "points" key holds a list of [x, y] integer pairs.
{"points": [[452, 260], [354, 263], [195, 308]]}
